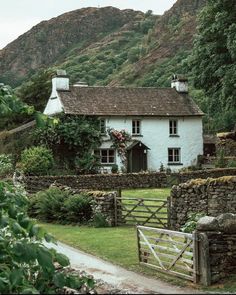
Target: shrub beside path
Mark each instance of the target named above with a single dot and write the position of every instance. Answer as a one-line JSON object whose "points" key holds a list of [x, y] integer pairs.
{"points": [[116, 277]]}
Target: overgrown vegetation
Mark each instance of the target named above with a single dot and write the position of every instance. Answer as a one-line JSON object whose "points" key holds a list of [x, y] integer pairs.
{"points": [[36, 161], [12, 109], [6, 165], [72, 140], [60, 206], [213, 62], [27, 266], [191, 223]]}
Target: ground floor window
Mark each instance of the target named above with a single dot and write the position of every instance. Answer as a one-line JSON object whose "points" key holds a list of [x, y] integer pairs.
{"points": [[107, 156], [174, 155]]}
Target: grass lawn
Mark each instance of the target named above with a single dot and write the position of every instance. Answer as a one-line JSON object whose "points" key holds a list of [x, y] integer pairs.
{"points": [[162, 193]]}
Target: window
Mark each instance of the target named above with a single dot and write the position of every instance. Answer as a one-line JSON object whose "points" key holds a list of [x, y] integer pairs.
{"points": [[136, 127], [103, 126], [173, 125], [174, 155], [107, 156]]}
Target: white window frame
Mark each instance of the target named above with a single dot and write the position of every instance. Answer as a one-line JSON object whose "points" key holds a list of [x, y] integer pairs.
{"points": [[174, 155], [173, 127], [101, 152], [136, 127]]}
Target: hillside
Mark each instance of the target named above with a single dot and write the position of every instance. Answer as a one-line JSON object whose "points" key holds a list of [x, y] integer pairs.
{"points": [[105, 46], [52, 41]]}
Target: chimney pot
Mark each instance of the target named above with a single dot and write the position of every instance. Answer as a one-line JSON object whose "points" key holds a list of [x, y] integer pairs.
{"points": [[179, 83], [60, 81]]}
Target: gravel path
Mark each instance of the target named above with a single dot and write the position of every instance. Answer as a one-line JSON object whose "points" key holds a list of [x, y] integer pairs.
{"points": [[116, 279]]}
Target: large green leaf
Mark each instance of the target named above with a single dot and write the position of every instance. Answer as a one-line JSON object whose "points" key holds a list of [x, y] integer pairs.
{"points": [[62, 259], [45, 259], [16, 277], [59, 280]]}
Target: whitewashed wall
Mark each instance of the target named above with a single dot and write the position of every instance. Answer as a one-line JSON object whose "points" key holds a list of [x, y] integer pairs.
{"points": [[155, 133]]}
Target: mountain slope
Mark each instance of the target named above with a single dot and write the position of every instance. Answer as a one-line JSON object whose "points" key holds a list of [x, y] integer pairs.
{"points": [[171, 41], [49, 41]]}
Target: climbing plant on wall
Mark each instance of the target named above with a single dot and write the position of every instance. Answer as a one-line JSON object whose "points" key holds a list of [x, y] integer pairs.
{"points": [[120, 141]]}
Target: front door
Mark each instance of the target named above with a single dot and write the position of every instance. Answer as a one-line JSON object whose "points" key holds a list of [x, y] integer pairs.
{"points": [[137, 159]]}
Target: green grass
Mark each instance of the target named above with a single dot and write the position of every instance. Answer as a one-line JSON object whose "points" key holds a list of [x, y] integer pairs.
{"points": [[147, 193]]}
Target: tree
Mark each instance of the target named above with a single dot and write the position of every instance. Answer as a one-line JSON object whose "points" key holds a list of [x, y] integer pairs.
{"points": [[12, 109], [213, 61], [10, 104], [37, 91]]}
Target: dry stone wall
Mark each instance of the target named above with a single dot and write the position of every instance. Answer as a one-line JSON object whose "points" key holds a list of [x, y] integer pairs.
{"points": [[204, 174], [98, 181], [217, 247], [121, 181], [211, 196]]}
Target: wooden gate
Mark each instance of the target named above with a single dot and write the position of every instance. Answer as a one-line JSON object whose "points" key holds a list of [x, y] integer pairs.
{"points": [[133, 211], [171, 252]]}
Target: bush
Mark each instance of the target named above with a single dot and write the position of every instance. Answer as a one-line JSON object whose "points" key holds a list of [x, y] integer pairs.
{"points": [[37, 161], [114, 168], [78, 209], [56, 205], [6, 165], [87, 164], [99, 220], [48, 205]]}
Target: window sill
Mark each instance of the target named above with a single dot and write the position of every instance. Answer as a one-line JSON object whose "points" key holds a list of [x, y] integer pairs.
{"points": [[175, 164], [174, 135], [137, 135]]}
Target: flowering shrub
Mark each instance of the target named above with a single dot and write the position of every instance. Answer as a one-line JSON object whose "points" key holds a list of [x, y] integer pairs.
{"points": [[120, 140]]}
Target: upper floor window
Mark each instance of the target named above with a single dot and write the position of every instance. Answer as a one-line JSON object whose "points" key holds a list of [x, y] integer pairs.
{"points": [[174, 155], [173, 127], [136, 127], [103, 126]]}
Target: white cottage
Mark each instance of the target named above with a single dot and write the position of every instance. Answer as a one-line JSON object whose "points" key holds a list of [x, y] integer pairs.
{"points": [[165, 123]]}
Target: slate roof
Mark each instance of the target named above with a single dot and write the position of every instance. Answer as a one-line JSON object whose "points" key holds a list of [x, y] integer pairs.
{"points": [[121, 101]]}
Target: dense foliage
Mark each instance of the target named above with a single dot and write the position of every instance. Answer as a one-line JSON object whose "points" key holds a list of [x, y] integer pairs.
{"points": [[72, 140], [26, 265], [10, 104], [213, 62], [36, 161], [56, 205], [37, 90], [6, 165], [12, 109]]}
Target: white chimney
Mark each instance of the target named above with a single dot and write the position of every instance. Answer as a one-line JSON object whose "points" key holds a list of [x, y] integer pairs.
{"points": [[61, 81], [180, 84]]}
